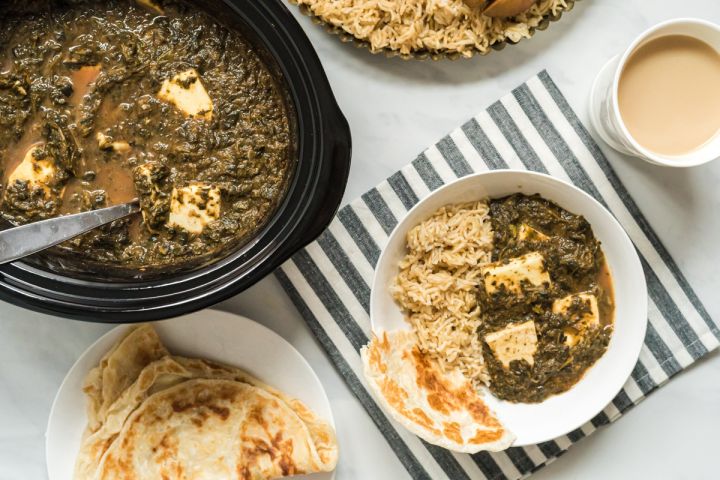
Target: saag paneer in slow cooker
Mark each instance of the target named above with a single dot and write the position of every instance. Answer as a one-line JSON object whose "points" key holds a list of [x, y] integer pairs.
{"points": [[546, 300], [105, 101]]}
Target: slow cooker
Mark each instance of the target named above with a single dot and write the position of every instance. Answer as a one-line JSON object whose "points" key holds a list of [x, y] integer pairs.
{"points": [[314, 192]]}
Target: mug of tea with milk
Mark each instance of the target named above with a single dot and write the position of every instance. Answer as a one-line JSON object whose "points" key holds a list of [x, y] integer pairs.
{"points": [[660, 99]]}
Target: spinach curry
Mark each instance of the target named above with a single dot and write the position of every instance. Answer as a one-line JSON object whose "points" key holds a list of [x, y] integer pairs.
{"points": [[105, 101], [559, 316]]}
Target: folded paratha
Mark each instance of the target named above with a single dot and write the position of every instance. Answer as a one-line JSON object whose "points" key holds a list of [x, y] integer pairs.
{"points": [[211, 429], [323, 435], [155, 377], [118, 369], [442, 409], [315, 439]]}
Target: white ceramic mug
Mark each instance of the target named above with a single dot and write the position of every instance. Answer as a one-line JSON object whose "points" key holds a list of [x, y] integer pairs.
{"points": [[605, 111]]}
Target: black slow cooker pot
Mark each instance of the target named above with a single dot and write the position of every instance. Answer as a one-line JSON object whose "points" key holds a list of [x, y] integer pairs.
{"points": [[313, 196]]}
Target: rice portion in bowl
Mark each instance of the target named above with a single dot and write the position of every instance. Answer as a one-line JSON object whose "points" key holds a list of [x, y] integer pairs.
{"points": [[444, 26], [437, 283]]}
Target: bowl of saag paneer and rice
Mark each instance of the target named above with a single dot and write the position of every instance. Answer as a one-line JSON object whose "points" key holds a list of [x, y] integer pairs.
{"points": [[525, 286], [216, 115]]}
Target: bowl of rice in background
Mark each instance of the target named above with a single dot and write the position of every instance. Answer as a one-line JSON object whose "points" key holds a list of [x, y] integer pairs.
{"points": [[428, 274], [422, 29]]}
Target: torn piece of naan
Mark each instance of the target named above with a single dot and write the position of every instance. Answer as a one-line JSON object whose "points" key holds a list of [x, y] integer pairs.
{"points": [[442, 409]]}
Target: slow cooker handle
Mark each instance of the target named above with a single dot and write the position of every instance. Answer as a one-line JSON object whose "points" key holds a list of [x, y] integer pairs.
{"points": [[335, 184]]}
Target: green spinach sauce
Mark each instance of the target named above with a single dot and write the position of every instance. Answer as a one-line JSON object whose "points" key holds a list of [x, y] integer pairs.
{"points": [[79, 80], [576, 264]]}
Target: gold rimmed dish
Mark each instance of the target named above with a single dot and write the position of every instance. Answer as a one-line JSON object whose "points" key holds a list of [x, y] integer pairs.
{"points": [[347, 37]]}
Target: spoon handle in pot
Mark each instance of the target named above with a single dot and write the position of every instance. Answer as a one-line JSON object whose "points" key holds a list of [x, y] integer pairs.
{"points": [[19, 242]]}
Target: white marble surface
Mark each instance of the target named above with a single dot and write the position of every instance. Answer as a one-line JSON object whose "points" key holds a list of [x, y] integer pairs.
{"points": [[395, 109]]}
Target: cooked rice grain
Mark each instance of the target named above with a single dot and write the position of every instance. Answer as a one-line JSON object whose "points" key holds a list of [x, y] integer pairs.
{"points": [[428, 25], [437, 283]]}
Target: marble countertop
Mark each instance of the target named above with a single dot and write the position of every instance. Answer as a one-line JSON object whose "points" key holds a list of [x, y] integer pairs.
{"points": [[395, 110]]}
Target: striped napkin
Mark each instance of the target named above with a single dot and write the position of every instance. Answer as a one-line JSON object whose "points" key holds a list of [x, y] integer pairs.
{"points": [[532, 128]]}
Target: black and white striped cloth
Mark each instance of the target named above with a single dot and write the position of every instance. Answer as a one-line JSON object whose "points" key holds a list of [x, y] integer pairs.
{"points": [[532, 128]]}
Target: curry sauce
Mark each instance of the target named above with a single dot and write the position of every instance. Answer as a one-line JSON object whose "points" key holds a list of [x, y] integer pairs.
{"points": [[551, 327], [98, 97]]}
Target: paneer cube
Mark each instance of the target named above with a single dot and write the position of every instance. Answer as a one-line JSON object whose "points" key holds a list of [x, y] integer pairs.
{"points": [[150, 184], [530, 269], [526, 232], [585, 320], [188, 94], [193, 207], [106, 143], [517, 341], [38, 172]]}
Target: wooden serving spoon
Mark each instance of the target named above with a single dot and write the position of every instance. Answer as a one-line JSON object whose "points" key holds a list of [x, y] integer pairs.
{"points": [[501, 8]]}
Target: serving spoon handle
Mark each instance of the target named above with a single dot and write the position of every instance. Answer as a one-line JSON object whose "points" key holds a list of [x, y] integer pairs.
{"points": [[19, 242]]}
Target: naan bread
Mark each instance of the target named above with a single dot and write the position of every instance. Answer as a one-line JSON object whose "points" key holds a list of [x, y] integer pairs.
{"points": [[211, 429], [168, 372], [442, 409], [118, 369]]}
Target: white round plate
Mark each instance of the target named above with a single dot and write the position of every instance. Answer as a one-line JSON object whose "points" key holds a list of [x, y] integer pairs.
{"points": [[210, 334], [560, 414]]}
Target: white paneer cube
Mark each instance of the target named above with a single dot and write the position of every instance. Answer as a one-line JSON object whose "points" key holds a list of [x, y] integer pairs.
{"points": [[188, 94], [37, 172], [104, 143], [529, 268], [561, 306], [517, 341], [526, 232], [145, 171], [193, 207]]}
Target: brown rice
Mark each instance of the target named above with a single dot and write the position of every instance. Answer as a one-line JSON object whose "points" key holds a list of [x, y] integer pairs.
{"points": [[437, 283], [428, 25]]}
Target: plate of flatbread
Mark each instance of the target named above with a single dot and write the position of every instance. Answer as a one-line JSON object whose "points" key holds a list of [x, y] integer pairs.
{"points": [[208, 395]]}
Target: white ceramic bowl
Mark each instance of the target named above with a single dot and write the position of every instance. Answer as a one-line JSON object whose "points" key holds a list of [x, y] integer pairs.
{"points": [[560, 414]]}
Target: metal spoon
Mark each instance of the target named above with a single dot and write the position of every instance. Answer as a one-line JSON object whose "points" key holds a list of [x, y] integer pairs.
{"points": [[19, 242]]}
